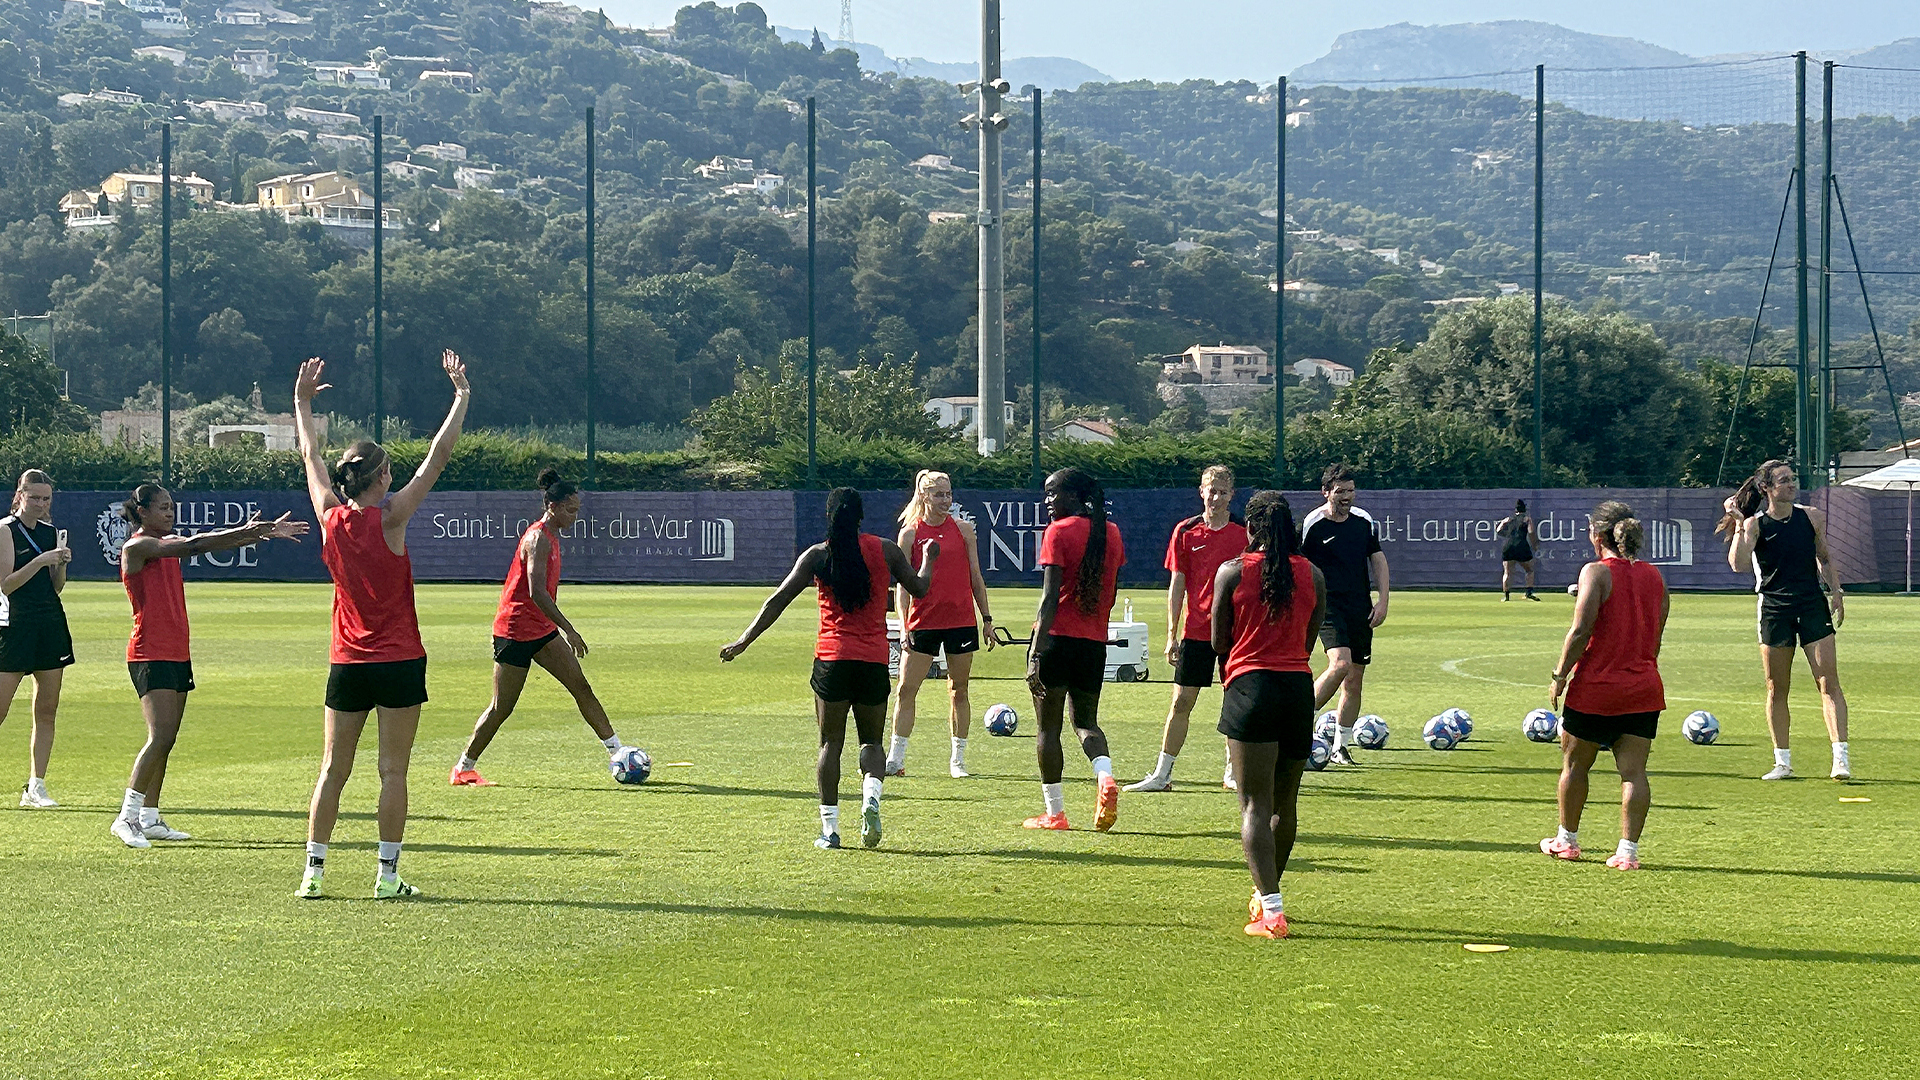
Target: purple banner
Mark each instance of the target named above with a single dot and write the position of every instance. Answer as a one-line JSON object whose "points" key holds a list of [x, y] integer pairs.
{"points": [[95, 532]]}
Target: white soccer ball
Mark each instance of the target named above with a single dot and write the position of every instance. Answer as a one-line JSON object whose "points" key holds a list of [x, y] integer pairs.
{"points": [[1319, 754], [1323, 728], [1002, 720], [630, 765], [1370, 733], [1541, 725], [1701, 727], [1461, 721], [1440, 734]]}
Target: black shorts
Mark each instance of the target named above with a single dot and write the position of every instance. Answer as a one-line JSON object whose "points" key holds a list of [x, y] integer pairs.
{"points": [[398, 684], [36, 642], [1783, 626], [1517, 553], [519, 653], [151, 675], [1075, 663], [1271, 707], [1196, 664], [961, 639], [1605, 730], [1348, 625], [862, 682]]}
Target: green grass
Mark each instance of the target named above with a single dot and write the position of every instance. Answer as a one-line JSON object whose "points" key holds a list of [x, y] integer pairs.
{"points": [[688, 928]]}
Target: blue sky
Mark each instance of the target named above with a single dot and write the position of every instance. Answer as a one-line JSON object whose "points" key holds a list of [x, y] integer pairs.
{"points": [[1258, 39]]}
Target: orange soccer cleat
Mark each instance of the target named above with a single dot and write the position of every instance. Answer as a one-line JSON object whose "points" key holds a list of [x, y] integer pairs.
{"points": [[1268, 926], [1054, 821], [1107, 807], [468, 778]]}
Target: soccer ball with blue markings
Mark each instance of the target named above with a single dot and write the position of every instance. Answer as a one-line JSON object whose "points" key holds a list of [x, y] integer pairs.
{"points": [[1002, 720], [1701, 727], [1370, 733], [1440, 734], [1319, 754], [1323, 727], [631, 765], [1461, 722], [1541, 725]]}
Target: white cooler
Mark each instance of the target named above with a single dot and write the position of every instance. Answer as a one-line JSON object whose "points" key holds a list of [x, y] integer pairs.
{"points": [[1127, 649], [896, 646]]}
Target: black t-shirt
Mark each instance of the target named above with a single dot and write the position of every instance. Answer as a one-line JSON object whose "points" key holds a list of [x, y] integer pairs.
{"points": [[37, 596], [1783, 560], [1341, 549]]}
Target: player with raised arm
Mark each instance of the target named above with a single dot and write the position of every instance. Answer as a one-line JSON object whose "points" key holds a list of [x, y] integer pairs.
{"points": [[159, 659], [1080, 557], [853, 571], [1338, 538], [1199, 546], [1609, 670], [378, 662], [34, 639], [1267, 606], [1518, 539], [1784, 546], [529, 629], [942, 620]]}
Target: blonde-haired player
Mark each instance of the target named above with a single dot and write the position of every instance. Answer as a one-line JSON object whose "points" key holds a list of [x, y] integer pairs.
{"points": [[942, 619]]}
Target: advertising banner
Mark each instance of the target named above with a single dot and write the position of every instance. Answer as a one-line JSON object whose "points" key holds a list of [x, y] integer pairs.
{"points": [[95, 532]]}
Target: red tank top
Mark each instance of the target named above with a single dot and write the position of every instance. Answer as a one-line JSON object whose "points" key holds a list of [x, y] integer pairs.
{"points": [[948, 604], [1064, 545], [159, 599], [519, 618], [374, 621], [1260, 644], [1619, 673], [860, 634]]}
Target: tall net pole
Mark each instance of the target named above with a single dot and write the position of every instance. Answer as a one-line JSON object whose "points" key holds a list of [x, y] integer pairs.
{"points": [[1036, 477], [1280, 286], [1539, 274], [1824, 376], [813, 356], [593, 378], [1802, 407], [379, 261], [166, 304], [992, 430]]}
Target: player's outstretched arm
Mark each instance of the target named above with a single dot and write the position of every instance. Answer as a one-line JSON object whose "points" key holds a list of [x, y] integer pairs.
{"points": [[915, 582], [140, 550], [319, 485], [807, 567], [408, 498]]}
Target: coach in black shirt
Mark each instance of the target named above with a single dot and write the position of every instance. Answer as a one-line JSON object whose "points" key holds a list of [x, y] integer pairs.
{"points": [[1338, 538]]}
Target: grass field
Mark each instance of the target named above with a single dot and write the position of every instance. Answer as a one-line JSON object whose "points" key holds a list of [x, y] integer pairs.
{"points": [[688, 928]]}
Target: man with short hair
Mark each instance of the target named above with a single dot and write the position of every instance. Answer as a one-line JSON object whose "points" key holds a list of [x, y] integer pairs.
{"points": [[1338, 538]]}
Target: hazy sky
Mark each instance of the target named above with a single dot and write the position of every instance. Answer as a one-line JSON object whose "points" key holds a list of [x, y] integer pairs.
{"points": [[1258, 39]]}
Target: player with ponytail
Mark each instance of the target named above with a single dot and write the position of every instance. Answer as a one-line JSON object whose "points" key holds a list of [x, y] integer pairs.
{"points": [[34, 637], [943, 622]]}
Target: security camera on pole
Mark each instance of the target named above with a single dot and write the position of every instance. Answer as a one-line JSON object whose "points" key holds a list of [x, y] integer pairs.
{"points": [[990, 414]]}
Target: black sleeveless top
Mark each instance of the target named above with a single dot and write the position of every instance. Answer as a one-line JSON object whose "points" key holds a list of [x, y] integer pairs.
{"points": [[1515, 547], [1783, 560], [37, 596]]}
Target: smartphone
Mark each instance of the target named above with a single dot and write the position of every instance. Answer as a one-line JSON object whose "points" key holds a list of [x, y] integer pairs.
{"points": [[60, 538]]}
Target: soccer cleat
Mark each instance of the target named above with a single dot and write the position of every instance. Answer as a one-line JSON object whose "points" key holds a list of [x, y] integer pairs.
{"points": [[870, 824], [1156, 782], [1842, 768], [827, 841], [160, 830], [1622, 862], [1106, 805], [129, 833], [1267, 926], [896, 770], [309, 885], [34, 800], [1778, 772], [1341, 756], [1054, 821], [1560, 849], [460, 777], [393, 888], [958, 770], [1532, 597]]}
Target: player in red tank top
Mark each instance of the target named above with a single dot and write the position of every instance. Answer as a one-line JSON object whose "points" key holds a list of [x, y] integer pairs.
{"points": [[1609, 671], [1267, 609], [943, 621], [158, 658], [529, 628], [853, 571], [379, 662]]}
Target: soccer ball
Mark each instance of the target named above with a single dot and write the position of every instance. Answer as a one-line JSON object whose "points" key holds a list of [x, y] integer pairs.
{"points": [[1370, 733], [1701, 727], [1461, 722], [1319, 754], [1440, 734], [631, 765], [1541, 726], [1002, 720], [1324, 727]]}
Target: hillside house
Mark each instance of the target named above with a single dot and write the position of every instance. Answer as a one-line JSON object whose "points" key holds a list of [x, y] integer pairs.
{"points": [[94, 208], [73, 11], [952, 412], [722, 167], [358, 144], [234, 17], [459, 80], [176, 57], [1313, 367], [1226, 377], [1084, 431], [228, 111], [321, 118], [934, 163], [256, 64], [358, 76], [449, 151], [337, 201], [407, 170], [474, 176]]}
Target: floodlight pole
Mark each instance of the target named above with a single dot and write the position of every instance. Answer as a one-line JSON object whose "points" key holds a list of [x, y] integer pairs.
{"points": [[593, 378], [813, 357], [1802, 407], [1036, 477], [990, 415], [1823, 378], [166, 304], [1280, 286], [379, 265], [1539, 274]]}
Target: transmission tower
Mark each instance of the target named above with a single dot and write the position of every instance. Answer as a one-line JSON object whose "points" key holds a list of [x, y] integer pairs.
{"points": [[846, 22]]}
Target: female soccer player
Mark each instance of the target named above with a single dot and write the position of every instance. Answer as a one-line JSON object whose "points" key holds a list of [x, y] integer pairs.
{"points": [[1518, 539], [158, 658], [1609, 670], [853, 571], [1197, 549], [943, 620], [1080, 557], [378, 662], [34, 639], [529, 628], [1784, 545], [1267, 607]]}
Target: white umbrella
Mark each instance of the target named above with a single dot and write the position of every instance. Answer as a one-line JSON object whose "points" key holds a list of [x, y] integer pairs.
{"points": [[1904, 473]]}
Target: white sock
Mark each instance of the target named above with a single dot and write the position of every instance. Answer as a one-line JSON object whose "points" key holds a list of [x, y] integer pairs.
{"points": [[1164, 770], [829, 819], [149, 815], [37, 785], [389, 859], [1270, 903], [467, 763], [959, 750], [1342, 736], [1570, 837], [1628, 849], [612, 743], [870, 789], [130, 806], [316, 857], [1102, 766], [1055, 797], [1783, 758], [898, 754], [1839, 751]]}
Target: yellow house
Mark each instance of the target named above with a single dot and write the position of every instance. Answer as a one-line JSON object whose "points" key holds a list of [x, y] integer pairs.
{"points": [[299, 190], [83, 207]]}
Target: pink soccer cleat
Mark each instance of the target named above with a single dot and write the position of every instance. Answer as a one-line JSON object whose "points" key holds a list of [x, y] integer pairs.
{"points": [[1560, 849], [1623, 862]]}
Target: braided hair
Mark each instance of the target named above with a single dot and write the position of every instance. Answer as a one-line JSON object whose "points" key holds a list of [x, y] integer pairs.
{"points": [[1088, 582], [846, 579], [1270, 530]]}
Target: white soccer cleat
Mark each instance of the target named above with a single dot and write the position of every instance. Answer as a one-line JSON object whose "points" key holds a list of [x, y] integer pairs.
{"points": [[1778, 772], [1156, 782], [129, 833], [36, 800], [1226, 780], [958, 770], [1842, 768], [160, 830]]}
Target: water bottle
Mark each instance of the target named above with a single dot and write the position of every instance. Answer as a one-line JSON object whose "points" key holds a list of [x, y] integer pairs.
{"points": [[1126, 612]]}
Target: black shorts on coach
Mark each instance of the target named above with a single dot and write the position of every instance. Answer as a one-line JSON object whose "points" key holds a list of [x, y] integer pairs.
{"points": [[1348, 625], [151, 675], [38, 642], [1271, 707], [1605, 730], [397, 684], [862, 682], [1075, 663], [960, 639], [1196, 665], [519, 653], [1797, 624]]}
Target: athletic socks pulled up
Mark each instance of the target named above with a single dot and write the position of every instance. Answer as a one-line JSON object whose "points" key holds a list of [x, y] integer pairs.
{"points": [[959, 751], [1102, 766], [1055, 796], [132, 805], [1270, 904], [389, 859], [1570, 837], [149, 815], [869, 790], [613, 743], [1164, 768], [1342, 736], [1628, 849], [897, 753], [829, 819], [1783, 758], [316, 857]]}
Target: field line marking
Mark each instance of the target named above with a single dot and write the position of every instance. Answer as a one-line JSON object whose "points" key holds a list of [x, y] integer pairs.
{"points": [[1452, 667]]}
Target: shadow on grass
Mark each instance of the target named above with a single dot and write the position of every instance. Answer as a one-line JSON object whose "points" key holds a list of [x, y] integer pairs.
{"points": [[821, 915], [1364, 795], [412, 848], [1114, 858], [1424, 844], [1731, 950], [249, 811]]}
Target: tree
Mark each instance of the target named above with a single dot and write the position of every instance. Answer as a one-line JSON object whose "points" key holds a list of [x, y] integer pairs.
{"points": [[868, 401], [30, 388]]}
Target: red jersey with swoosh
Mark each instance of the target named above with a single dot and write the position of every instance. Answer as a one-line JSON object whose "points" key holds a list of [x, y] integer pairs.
{"points": [[374, 621], [1261, 643], [519, 618], [1198, 551], [860, 634], [1064, 545], [948, 604], [159, 598]]}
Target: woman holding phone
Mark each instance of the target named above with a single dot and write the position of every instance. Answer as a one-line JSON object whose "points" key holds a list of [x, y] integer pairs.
{"points": [[34, 639]]}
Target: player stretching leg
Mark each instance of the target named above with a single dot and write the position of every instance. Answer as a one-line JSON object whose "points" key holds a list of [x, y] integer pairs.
{"points": [[1518, 538], [1338, 538], [943, 620], [34, 639], [1609, 670], [1080, 557], [853, 571], [1267, 606], [1195, 552], [529, 628], [378, 662], [159, 660], [1784, 545]]}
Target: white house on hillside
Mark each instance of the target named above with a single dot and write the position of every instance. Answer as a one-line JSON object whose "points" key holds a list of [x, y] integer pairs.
{"points": [[1336, 373], [959, 412]]}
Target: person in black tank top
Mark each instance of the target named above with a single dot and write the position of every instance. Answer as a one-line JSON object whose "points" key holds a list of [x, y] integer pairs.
{"points": [[1784, 545], [33, 630], [1517, 539]]}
